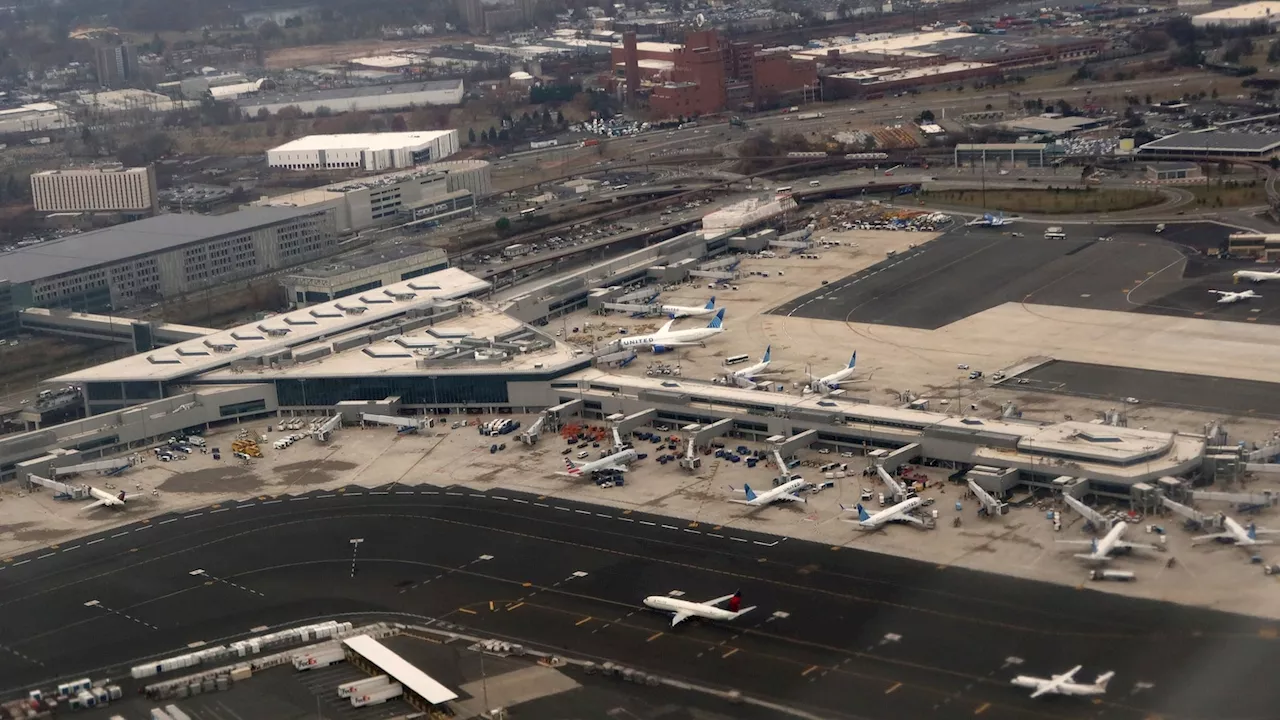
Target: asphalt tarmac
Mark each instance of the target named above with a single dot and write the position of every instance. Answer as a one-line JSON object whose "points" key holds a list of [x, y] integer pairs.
{"points": [[838, 632]]}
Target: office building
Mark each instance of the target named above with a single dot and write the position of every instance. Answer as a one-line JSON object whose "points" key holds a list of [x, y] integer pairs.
{"points": [[117, 65], [130, 191], [380, 265], [364, 151]]}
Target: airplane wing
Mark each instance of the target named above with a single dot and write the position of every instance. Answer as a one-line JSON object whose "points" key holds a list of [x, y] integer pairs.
{"points": [[1133, 545], [94, 504], [908, 518], [1265, 531], [790, 497], [618, 468], [676, 343], [680, 617], [1214, 536], [1074, 542], [1048, 687], [666, 327], [719, 600]]}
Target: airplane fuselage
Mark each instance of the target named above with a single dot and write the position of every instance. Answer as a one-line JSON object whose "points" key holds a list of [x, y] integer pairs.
{"points": [[891, 514], [676, 605], [674, 338], [774, 494]]}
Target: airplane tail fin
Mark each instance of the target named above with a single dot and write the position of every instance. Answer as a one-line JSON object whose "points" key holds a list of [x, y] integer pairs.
{"points": [[853, 360], [1253, 531], [1103, 679], [1093, 546], [862, 513], [767, 351], [717, 322], [571, 468], [711, 304], [751, 494]]}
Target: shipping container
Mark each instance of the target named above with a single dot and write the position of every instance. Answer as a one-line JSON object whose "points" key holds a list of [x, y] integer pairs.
{"points": [[158, 714], [362, 685], [377, 696], [176, 713], [318, 658]]}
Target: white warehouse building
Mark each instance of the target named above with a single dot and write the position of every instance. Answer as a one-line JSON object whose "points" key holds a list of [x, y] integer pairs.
{"points": [[370, 98], [365, 151]]}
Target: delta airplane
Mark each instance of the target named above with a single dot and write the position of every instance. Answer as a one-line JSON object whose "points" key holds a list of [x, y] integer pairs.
{"points": [[746, 376], [1100, 550], [785, 492], [1256, 276], [997, 220], [678, 311], [1238, 534], [1231, 297], [102, 498], [1064, 684], [896, 513], [617, 461], [709, 610], [832, 382], [666, 338]]}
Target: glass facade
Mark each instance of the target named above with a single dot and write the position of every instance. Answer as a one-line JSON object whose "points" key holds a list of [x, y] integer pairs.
{"points": [[431, 390], [242, 408]]}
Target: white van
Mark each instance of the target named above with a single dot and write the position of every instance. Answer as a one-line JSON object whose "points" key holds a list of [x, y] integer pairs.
{"points": [[814, 183]]}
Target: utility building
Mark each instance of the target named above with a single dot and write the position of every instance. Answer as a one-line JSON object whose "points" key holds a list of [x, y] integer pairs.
{"points": [[364, 151]]}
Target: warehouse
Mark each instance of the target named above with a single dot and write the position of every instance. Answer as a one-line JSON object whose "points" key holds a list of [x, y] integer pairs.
{"points": [[164, 256], [370, 98], [364, 151], [1214, 145], [1241, 15]]}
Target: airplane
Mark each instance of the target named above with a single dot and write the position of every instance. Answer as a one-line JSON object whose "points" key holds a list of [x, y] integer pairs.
{"points": [[831, 382], [1100, 550], [746, 376], [617, 461], [102, 498], [1256, 276], [1230, 297], [785, 492], [666, 338], [709, 610], [997, 220], [677, 311], [890, 514], [1064, 684], [1238, 534]]}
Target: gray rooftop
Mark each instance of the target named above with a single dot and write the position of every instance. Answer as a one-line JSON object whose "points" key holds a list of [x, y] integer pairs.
{"points": [[1212, 140], [141, 237], [383, 252], [353, 92]]}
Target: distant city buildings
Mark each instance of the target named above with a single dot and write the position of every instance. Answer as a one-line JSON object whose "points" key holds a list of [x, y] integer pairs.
{"points": [[117, 65], [128, 191]]}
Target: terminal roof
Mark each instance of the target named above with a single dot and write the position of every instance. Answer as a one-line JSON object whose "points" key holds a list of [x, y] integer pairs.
{"points": [[400, 670], [1214, 140]]}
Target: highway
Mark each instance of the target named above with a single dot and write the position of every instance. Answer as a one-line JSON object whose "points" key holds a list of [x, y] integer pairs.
{"points": [[838, 632]]}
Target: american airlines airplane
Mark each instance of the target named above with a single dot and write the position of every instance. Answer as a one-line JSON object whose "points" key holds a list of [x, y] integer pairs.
{"points": [[1256, 276], [1100, 550], [746, 376], [709, 610], [678, 311], [786, 492], [1231, 297], [666, 338], [1064, 684], [102, 498], [997, 220], [617, 461], [832, 382], [895, 513], [1238, 534]]}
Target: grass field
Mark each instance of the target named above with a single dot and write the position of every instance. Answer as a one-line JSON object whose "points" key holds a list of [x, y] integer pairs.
{"points": [[1232, 193], [1050, 201]]}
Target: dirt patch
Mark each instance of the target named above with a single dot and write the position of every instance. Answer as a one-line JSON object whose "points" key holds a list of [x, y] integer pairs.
{"points": [[342, 51], [312, 472], [32, 532], [213, 480]]}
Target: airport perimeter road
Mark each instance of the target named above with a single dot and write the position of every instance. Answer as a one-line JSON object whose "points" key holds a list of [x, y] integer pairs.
{"points": [[837, 632]]}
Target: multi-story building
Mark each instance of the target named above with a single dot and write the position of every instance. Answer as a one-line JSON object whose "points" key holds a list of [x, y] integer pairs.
{"points": [[381, 265], [164, 256], [117, 65], [364, 151], [371, 98], [129, 191]]}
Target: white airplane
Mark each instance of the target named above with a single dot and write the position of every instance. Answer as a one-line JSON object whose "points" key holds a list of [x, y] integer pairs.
{"points": [[709, 610], [666, 338], [1238, 534], [831, 382], [1064, 684], [746, 376], [1231, 297], [677, 311], [997, 220], [617, 461], [1256, 276], [102, 498], [895, 513], [786, 492], [1100, 550]]}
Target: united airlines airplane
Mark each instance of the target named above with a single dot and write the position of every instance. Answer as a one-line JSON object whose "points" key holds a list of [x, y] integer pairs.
{"points": [[666, 338]]}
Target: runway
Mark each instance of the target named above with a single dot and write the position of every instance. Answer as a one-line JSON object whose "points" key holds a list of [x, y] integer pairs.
{"points": [[838, 632]]}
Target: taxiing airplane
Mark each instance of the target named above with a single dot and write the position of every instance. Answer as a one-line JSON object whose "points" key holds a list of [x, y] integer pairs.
{"points": [[709, 610], [1234, 532], [895, 513], [746, 377], [1231, 297], [617, 461], [1256, 276], [102, 498], [1064, 684], [997, 220], [1100, 550], [666, 338], [786, 492], [832, 382], [678, 311]]}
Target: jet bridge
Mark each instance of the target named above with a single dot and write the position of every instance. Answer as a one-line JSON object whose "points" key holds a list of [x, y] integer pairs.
{"points": [[62, 491], [704, 434], [1190, 514], [402, 424], [896, 488], [1263, 499], [625, 425], [990, 505], [713, 274], [645, 310], [97, 466], [531, 433], [1099, 521], [557, 414], [326, 428]]}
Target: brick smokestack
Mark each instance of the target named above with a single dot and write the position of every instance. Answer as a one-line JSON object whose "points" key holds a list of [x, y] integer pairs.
{"points": [[632, 58]]}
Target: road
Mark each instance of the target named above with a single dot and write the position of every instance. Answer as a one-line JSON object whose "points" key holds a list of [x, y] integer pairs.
{"points": [[838, 632]]}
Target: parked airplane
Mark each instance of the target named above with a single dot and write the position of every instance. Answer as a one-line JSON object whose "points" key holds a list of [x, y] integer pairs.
{"points": [[997, 220], [832, 382], [895, 513], [1256, 276], [677, 311], [746, 376], [102, 498], [786, 492], [1238, 534], [666, 338], [1064, 684], [709, 610], [1100, 550], [617, 461], [1231, 297]]}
